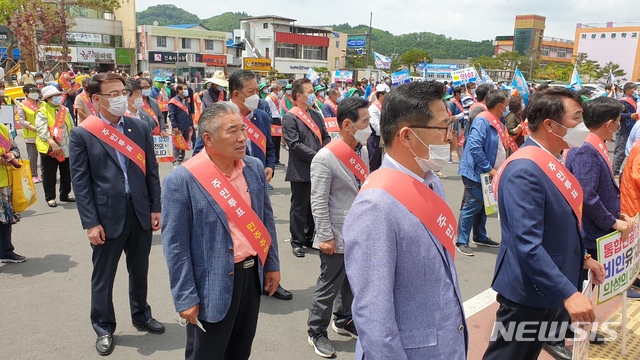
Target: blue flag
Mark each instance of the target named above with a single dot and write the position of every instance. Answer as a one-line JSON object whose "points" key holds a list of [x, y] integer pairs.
{"points": [[312, 75], [485, 77], [381, 61], [520, 84], [576, 82]]}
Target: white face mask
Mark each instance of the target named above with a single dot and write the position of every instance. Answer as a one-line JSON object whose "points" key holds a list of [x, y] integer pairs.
{"points": [[138, 103], [362, 135], [146, 92], [118, 105], [34, 96], [39, 81], [438, 156], [576, 136], [280, 94], [288, 92], [56, 100], [252, 102]]}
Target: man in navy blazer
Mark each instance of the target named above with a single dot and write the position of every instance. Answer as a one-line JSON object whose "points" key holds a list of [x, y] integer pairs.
{"points": [[118, 205], [541, 254], [406, 297], [215, 276]]}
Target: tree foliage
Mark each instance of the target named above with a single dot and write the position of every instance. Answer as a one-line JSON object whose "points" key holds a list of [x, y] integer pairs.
{"points": [[225, 22], [412, 57], [166, 14], [611, 68]]}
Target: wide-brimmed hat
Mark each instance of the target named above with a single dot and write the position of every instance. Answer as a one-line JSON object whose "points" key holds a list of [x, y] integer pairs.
{"points": [[218, 79], [382, 88], [49, 91]]}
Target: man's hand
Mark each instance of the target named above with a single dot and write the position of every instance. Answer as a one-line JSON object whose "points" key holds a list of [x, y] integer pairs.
{"points": [[55, 148], [328, 247], [623, 227], [155, 221], [629, 219], [493, 172], [580, 308], [634, 116], [164, 134], [271, 281], [96, 235], [176, 131], [191, 314], [268, 172], [598, 275]]}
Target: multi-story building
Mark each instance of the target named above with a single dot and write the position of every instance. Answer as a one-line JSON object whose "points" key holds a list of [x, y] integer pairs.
{"points": [[556, 49], [291, 49], [188, 50], [611, 42], [336, 52]]}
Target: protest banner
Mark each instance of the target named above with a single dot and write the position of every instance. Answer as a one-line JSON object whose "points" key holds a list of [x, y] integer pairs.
{"points": [[581, 342], [489, 198], [464, 76], [163, 147], [400, 77], [8, 117]]}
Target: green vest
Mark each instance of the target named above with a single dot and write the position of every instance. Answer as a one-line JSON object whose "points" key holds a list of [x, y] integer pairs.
{"points": [[30, 116], [50, 112]]}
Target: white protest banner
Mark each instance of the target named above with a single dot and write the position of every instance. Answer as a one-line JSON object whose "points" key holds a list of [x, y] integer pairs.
{"points": [[400, 77], [581, 341], [464, 76], [620, 260], [8, 117], [163, 146], [489, 198]]}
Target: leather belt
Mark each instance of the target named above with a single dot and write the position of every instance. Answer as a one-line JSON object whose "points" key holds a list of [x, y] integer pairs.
{"points": [[245, 264]]}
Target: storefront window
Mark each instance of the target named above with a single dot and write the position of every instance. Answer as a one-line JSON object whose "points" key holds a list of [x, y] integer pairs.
{"points": [[315, 53], [286, 50]]}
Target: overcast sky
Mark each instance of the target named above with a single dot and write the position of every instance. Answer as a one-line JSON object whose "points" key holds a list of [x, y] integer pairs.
{"points": [[460, 19]]}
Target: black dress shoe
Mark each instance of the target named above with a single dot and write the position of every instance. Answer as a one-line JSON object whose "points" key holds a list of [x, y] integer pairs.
{"points": [[69, 199], [558, 352], [105, 345], [152, 325], [597, 338], [281, 294], [298, 252]]}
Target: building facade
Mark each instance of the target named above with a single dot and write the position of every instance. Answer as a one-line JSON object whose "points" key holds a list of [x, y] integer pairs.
{"points": [[611, 42], [189, 50]]}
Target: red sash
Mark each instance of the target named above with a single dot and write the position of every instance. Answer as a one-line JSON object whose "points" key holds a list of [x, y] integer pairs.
{"points": [[179, 104], [276, 130], [333, 106], [631, 102], [164, 105], [562, 178], [151, 113], [274, 98], [475, 105], [302, 115], [349, 158], [525, 128], [256, 135], [422, 202], [119, 142], [507, 141], [33, 107], [331, 124], [85, 98], [229, 199], [458, 104], [599, 145], [5, 143], [55, 130]]}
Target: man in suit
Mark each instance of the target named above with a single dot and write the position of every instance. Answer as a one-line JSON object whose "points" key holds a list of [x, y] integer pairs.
{"points": [[330, 106], [181, 121], [215, 276], [119, 205], [390, 253], [541, 254], [333, 189], [627, 120], [304, 144], [145, 84], [373, 144]]}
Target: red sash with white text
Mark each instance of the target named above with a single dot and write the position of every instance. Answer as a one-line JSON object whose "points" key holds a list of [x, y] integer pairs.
{"points": [[179, 104], [421, 201], [55, 130], [276, 130], [599, 145], [333, 106], [85, 98], [525, 128], [5, 144], [275, 101], [119, 142], [255, 135], [349, 158], [331, 124], [475, 105], [507, 141], [631, 102], [151, 113], [28, 104], [458, 104], [302, 115], [229, 199], [562, 178]]}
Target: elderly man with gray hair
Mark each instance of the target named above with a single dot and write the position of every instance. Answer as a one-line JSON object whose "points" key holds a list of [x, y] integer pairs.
{"points": [[217, 263]]}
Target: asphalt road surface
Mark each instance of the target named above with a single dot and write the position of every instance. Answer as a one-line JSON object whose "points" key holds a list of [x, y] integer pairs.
{"points": [[45, 300]]}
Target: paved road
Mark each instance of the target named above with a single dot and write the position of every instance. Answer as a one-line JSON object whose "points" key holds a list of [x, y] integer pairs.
{"points": [[45, 301]]}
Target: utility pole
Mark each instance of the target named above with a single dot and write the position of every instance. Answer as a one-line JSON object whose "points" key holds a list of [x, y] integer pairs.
{"points": [[369, 38]]}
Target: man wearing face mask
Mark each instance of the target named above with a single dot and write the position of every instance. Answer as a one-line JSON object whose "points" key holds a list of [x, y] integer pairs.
{"points": [[53, 125], [330, 106], [627, 120], [305, 133], [83, 104], [319, 89], [28, 78], [115, 175], [287, 102], [181, 120], [27, 119], [138, 109], [373, 143], [216, 91], [388, 253], [39, 80], [151, 107], [335, 182], [273, 100], [541, 254], [484, 152]]}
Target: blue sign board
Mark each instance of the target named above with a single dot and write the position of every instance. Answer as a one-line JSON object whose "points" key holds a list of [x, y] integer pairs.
{"points": [[400, 77], [356, 41]]}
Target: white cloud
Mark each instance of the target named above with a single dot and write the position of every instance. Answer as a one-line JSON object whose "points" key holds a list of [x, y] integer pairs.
{"points": [[460, 19]]}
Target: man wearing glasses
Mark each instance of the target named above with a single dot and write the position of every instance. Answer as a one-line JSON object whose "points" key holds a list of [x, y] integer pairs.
{"points": [[115, 179], [484, 152], [388, 254]]}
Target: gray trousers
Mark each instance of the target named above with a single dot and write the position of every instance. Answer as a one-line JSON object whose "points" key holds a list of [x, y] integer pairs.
{"points": [[332, 292], [618, 152]]}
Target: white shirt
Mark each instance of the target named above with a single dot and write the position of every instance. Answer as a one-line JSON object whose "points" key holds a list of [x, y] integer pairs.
{"points": [[374, 121]]}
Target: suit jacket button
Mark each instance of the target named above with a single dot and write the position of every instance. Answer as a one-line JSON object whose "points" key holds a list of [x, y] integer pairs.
{"points": [[461, 328], [577, 250], [231, 274]]}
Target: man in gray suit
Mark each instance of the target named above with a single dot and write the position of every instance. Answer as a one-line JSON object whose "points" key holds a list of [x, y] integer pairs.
{"points": [[407, 302], [216, 269], [333, 188]]}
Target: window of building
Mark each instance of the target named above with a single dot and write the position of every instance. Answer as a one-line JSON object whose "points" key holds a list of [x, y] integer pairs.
{"points": [[593, 36], [208, 44], [117, 41], [624, 35], [603, 36], [338, 44], [613, 35], [583, 36], [315, 53], [267, 53], [186, 43], [634, 34], [554, 50], [544, 51], [286, 50], [265, 25], [562, 53], [161, 41]]}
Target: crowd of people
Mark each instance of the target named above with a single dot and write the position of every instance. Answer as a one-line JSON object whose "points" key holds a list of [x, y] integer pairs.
{"points": [[366, 194]]}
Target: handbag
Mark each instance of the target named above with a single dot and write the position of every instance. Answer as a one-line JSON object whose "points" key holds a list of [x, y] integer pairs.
{"points": [[23, 189]]}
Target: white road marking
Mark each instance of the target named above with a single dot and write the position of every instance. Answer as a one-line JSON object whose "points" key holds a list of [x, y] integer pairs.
{"points": [[479, 302]]}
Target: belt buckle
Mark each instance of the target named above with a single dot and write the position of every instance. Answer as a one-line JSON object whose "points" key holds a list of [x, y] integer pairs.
{"points": [[248, 263]]}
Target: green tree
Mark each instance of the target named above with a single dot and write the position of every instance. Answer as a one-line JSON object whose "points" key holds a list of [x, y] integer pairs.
{"points": [[589, 70], [556, 71], [166, 14], [487, 62], [611, 68], [225, 22], [412, 57]]}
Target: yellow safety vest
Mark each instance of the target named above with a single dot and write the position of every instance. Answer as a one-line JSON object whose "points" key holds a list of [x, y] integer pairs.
{"points": [[30, 115], [50, 112]]}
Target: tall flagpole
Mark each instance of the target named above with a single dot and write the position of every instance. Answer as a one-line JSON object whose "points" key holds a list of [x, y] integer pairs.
{"points": [[369, 42]]}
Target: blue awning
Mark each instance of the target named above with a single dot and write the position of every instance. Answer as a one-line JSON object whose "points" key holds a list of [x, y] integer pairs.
{"points": [[3, 53]]}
